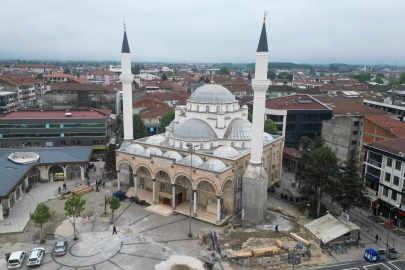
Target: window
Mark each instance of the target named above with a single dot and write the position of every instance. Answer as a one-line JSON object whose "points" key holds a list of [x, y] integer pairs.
{"points": [[198, 107], [211, 145], [63, 143], [181, 145], [277, 155], [355, 132], [354, 142], [387, 177], [393, 195], [396, 180], [385, 191], [232, 144], [243, 145], [207, 109], [356, 123], [226, 107], [398, 165], [218, 108], [389, 162], [201, 146], [98, 142], [76, 142], [162, 185], [161, 173], [149, 120]]}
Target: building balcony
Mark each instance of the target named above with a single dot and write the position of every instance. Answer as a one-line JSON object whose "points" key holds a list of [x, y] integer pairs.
{"points": [[374, 163], [371, 191], [373, 177]]}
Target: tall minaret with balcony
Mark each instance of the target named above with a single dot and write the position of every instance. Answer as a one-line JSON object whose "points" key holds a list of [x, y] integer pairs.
{"points": [[126, 79], [255, 180]]}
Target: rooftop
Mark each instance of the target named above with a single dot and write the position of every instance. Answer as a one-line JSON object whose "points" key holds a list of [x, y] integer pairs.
{"points": [[35, 66], [60, 74], [292, 152], [295, 102], [395, 146], [356, 109], [50, 114], [154, 112], [82, 87], [19, 79], [394, 126]]}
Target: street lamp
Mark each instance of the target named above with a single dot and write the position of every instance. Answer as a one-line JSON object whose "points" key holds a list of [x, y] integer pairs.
{"points": [[191, 150], [389, 220]]}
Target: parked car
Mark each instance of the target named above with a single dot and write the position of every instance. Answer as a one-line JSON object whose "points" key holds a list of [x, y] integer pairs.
{"points": [[36, 256], [60, 247], [16, 259], [94, 159]]}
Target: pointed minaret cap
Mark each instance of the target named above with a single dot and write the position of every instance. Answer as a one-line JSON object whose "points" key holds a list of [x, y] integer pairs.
{"points": [[125, 46], [262, 47]]}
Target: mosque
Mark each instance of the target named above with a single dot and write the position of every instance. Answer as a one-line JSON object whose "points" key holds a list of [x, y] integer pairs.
{"points": [[208, 152]]}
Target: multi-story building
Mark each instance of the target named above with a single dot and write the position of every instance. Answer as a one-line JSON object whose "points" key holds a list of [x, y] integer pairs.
{"points": [[38, 68], [104, 76], [30, 91], [8, 101], [59, 77], [297, 116], [384, 178], [40, 128]]}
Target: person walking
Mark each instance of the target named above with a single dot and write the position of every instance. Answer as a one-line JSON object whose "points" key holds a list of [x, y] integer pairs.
{"points": [[64, 186], [59, 189], [114, 230], [376, 238], [276, 228]]}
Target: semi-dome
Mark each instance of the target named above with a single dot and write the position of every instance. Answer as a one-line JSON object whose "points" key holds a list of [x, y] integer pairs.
{"points": [[135, 149], [267, 138], [214, 165], [152, 151], [170, 127], [194, 130], [239, 129], [226, 152], [173, 155], [197, 161], [125, 144], [156, 139], [212, 94]]}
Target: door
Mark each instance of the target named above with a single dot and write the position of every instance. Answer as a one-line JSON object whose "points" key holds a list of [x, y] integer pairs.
{"points": [[142, 183]]}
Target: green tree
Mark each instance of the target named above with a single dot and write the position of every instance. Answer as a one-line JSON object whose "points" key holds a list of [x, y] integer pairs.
{"points": [[201, 79], [189, 90], [348, 189], [178, 72], [193, 75], [250, 117], [139, 129], [110, 160], [224, 70], [380, 75], [66, 71], [402, 79], [41, 216], [284, 74], [249, 77], [322, 74], [114, 204], [378, 80], [74, 206], [270, 127], [206, 80], [164, 77], [166, 120]]}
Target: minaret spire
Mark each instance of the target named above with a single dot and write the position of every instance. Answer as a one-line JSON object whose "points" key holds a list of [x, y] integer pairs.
{"points": [[125, 46], [262, 47]]}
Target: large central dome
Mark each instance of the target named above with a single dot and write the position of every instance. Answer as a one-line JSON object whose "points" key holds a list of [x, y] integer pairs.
{"points": [[194, 130], [212, 94]]}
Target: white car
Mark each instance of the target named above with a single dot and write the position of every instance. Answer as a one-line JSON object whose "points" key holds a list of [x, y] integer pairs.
{"points": [[16, 259], [36, 256]]}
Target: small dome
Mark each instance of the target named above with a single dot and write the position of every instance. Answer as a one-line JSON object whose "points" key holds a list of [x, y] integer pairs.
{"points": [[245, 107], [152, 151], [197, 161], [156, 139], [239, 129], [194, 130], [173, 155], [170, 127], [214, 165], [267, 138], [226, 152], [212, 94], [135, 149], [125, 144]]}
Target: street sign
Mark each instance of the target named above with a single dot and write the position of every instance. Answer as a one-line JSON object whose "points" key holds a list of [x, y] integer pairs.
{"points": [[345, 216]]}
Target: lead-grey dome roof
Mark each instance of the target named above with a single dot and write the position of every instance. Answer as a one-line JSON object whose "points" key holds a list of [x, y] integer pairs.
{"points": [[125, 144], [194, 130], [152, 151], [239, 129], [212, 94], [135, 149], [226, 152], [267, 138], [156, 139], [214, 165], [197, 161], [170, 127], [173, 155]]}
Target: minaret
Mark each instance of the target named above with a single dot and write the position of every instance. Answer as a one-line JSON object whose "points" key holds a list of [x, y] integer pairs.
{"points": [[126, 78], [255, 180]]}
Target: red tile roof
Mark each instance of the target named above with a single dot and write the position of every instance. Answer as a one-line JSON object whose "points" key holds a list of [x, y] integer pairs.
{"points": [[394, 146], [154, 112], [60, 74], [356, 109], [305, 102], [19, 79], [36, 114], [167, 96], [394, 126], [291, 152], [82, 87], [35, 66]]}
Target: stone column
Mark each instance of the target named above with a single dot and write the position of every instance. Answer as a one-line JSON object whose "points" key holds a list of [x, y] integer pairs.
{"points": [[15, 196], [218, 210], [21, 191], [136, 183], [174, 197], [1, 211], [8, 203], [82, 171], [195, 203], [26, 182], [154, 191], [118, 180]]}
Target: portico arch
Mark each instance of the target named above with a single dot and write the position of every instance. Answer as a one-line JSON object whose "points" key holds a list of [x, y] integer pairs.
{"points": [[228, 194], [144, 177], [182, 181], [73, 172], [126, 177], [56, 173], [34, 176]]}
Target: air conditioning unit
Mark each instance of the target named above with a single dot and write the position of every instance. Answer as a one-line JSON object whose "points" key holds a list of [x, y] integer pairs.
{"points": [[68, 114]]}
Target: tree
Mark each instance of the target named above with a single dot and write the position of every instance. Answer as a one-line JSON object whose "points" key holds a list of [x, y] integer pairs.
{"points": [[322, 74], [164, 77], [139, 129], [380, 75], [206, 80], [110, 160], [250, 117], [348, 189], [393, 83], [74, 206], [66, 71], [249, 77], [402, 79], [284, 74], [378, 80], [114, 204], [189, 90], [201, 79], [224, 70], [193, 75], [41, 216], [178, 72], [270, 127], [166, 120]]}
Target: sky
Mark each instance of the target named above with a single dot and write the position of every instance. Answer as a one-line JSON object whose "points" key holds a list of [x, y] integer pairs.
{"points": [[220, 31]]}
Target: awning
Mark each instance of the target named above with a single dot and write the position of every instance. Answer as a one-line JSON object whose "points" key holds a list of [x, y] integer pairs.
{"points": [[167, 192], [328, 228]]}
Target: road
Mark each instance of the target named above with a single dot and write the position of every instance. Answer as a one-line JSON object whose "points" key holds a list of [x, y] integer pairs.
{"points": [[362, 265]]}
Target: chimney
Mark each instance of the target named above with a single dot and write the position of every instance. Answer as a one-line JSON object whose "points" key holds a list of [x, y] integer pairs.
{"points": [[386, 121]]}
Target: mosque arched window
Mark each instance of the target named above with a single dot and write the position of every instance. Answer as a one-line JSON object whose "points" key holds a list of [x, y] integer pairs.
{"points": [[181, 145], [211, 145], [243, 145], [226, 107], [201, 146], [232, 144], [217, 108], [198, 108], [207, 109]]}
